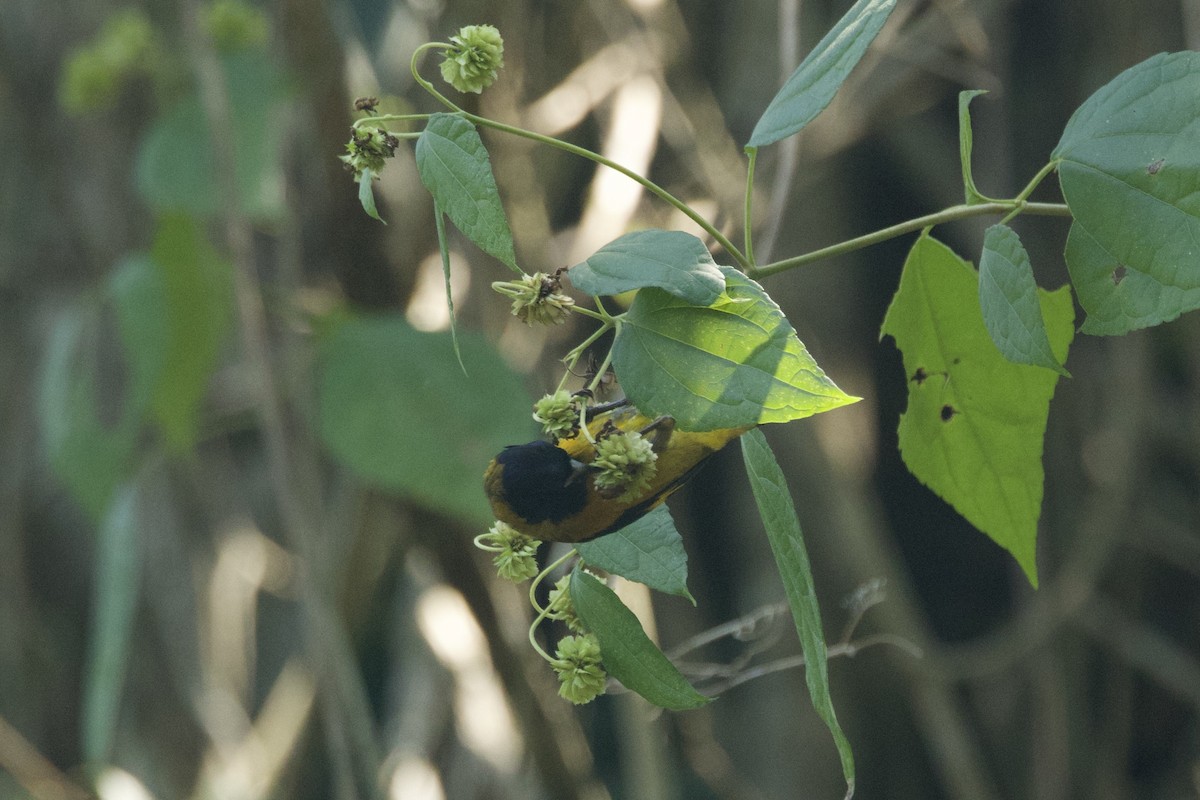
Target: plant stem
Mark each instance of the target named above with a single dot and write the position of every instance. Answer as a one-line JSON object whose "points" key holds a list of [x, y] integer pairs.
{"points": [[646, 183], [747, 211], [891, 232], [426, 85]]}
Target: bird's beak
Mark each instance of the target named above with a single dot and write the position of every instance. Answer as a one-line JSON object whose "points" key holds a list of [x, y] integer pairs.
{"points": [[579, 472]]}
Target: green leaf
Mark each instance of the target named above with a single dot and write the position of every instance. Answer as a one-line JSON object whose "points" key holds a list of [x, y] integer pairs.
{"points": [[198, 297], [115, 591], [648, 551], [814, 83], [176, 169], [673, 261], [394, 409], [965, 141], [774, 501], [733, 363], [1008, 297], [1118, 298], [444, 250], [1127, 162], [91, 435], [455, 168], [90, 456], [974, 425], [366, 194], [627, 653]]}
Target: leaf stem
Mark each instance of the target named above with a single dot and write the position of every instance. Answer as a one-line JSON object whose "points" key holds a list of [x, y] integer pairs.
{"points": [[426, 85], [747, 211], [929, 220], [646, 183], [382, 118]]}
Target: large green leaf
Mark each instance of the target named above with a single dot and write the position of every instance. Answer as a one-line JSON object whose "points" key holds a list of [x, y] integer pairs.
{"points": [[455, 168], [648, 551], [197, 297], [673, 261], [1129, 165], [774, 501], [814, 83], [397, 409], [627, 653], [733, 363], [176, 169], [974, 425], [1008, 297]]}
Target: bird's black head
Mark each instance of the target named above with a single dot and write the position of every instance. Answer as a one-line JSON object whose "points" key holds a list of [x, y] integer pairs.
{"points": [[541, 482]]}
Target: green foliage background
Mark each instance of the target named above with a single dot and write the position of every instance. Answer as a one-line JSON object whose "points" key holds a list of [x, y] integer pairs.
{"points": [[184, 552]]}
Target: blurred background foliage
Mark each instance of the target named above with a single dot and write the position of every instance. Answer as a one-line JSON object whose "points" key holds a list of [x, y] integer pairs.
{"points": [[241, 464]]}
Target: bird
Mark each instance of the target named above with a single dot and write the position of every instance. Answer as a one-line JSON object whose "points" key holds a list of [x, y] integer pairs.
{"points": [[548, 491]]}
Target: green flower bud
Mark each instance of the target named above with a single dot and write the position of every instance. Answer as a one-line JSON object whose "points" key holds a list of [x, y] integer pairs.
{"points": [[560, 606], [626, 464], [516, 553], [558, 414], [369, 147], [577, 665], [474, 60], [234, 25], [536, 298]]}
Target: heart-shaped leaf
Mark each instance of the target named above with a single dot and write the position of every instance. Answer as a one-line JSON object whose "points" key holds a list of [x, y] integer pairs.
{"points": [[1129, 165], [733, 363]]}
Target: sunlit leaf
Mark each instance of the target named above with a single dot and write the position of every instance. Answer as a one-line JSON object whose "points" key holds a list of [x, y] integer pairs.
{"points": [[648, 551], [198, 300], [674, 261], [815, 82], [974, 425], [787, 544], [627, 653], [1129, 165], [1008, 297], [395, 408], [733, 363], [455, 168]]}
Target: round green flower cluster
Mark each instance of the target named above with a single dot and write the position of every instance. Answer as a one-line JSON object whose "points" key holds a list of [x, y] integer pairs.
{"points": [[626, 464], [368, 148], [516, 553], [577, 664], [537, 298], [472, 63], [558, 414]]}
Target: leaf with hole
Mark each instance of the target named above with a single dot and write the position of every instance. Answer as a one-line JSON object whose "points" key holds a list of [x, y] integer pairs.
{"points": [[974, 425], [1129, 166]]}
